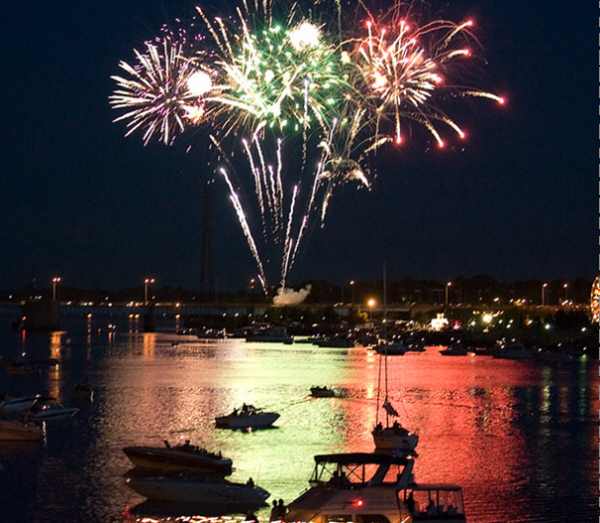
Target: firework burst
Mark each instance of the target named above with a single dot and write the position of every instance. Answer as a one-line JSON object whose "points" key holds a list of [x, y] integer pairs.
{"points": [[162, 91], [406, 70]]}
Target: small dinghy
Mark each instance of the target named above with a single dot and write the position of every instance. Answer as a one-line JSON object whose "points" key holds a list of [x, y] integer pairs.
{"points": [[18, 431], [322, 392], [183, 458], [198, 490], [50, 410], [248, 417]]}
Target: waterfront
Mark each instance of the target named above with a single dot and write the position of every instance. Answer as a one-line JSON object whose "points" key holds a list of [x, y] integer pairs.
{"points": [[520, 437]]}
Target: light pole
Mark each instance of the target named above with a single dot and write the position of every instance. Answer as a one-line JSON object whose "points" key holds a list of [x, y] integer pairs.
{"points": [[147, 283], [55, 281], [352, 283], [566, 288], [448, 285], [371, 303], [544, 287]]}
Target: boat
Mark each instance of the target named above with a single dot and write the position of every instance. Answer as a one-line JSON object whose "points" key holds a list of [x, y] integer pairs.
{"points": [[13, 430], [322, 392], [50, 410], [198, 490], [455, 349], [248, 417], [335, 342], [183, 458], [395, 348], [271, 335], [364, 487], [513, 351], [393, 437], [12, 406]]}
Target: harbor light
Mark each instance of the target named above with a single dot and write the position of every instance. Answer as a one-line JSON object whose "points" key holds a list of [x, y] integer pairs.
{"points": [[487, 318]]}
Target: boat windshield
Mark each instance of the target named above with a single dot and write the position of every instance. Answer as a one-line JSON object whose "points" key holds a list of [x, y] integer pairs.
{"points": [[359, 471], [427, 501]]}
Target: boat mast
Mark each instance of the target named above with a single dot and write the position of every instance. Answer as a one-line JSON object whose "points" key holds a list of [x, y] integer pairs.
{"points": [[387, 416]]}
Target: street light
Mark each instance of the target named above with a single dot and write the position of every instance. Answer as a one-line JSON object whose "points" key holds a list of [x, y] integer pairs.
{"points": [[147, 283], [544, 287], [448, 285], [352, 283], [566, 288], [55, 281]]}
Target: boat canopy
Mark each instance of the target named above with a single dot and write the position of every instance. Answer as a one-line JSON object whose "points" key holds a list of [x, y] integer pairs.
{"points": [[361, 458]]}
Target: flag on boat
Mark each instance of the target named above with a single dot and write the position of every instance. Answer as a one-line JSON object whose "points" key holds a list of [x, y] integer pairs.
{"points": [[389, 408]]}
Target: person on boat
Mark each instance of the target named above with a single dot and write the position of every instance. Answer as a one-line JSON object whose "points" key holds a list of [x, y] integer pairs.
{"points": [[250, 483], [274, 516], [431, 508], [250, 516], [410, 503], [167, 444], [281, 510]]}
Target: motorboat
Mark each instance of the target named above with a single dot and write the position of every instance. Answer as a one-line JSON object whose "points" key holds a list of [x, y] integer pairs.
{"points": [[322, 392], [13, 430], [455, 349], [513, 351], [354, 487], [51, 410], [271, 335], [14, 406], [248, 417], [394, 439], [394, 348], [198, 490], [184, 458], [335, 342], [374, 487]]}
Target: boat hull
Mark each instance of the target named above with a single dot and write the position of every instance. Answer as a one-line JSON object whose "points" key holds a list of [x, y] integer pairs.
{"points": [[173, 461], [389, 441], [17, 405], [197, 491], [54, 414], [258, 421]]}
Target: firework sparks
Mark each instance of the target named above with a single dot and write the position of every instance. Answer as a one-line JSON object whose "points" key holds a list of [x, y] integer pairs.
{"points": [[404, 73], [161, 91]]}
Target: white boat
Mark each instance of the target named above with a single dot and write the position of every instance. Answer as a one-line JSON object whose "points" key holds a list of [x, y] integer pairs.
{"points": [[50, 411], [11, 406], [394, 439], [248, 417], [373, 487], [12, 430], [322, 392], [513, 351], [183, 458], [198, 490], [271, 335]]}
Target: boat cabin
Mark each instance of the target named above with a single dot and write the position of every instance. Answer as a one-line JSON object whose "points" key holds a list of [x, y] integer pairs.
{"points": [[428, 503], [361, 470]]}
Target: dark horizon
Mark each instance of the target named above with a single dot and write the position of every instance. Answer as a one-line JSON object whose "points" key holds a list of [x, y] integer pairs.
{"points": [[102, 211]]}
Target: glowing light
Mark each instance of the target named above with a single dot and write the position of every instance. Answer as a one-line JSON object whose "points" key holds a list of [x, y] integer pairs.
{"points": [[304, 36], [199, 83], [487, 318]]}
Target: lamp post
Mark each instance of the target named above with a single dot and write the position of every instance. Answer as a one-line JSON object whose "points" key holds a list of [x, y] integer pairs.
{"points": [[544, 287], [147, 283], [352, 283], [371, 304], [55, 281], [446, 300], [566, 288]]}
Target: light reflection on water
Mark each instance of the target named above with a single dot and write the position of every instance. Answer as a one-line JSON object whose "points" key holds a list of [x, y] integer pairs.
{"points": [[521, 438]]}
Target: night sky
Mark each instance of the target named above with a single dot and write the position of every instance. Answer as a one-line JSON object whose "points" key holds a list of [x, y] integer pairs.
{"points": [[519, 201]]}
